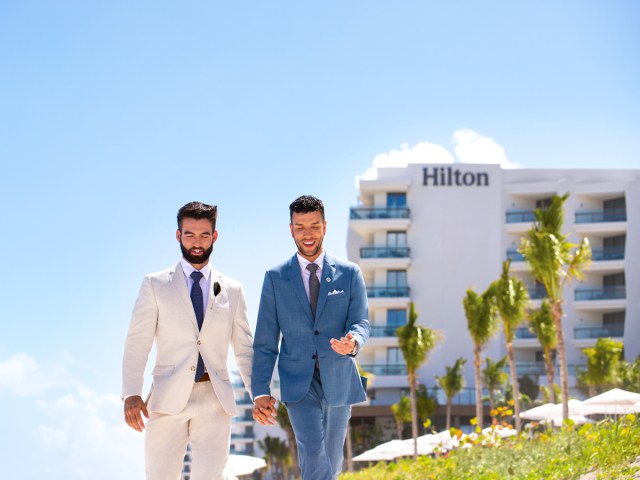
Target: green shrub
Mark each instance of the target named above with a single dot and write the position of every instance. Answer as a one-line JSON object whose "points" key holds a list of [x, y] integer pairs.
{"points": [[608, 448]]}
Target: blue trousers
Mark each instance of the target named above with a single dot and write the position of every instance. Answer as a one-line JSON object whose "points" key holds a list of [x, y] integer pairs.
{"points": [[320, 433]]}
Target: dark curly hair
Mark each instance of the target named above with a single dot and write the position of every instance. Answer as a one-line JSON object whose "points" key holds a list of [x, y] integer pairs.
{"points": [[197, 211], [306, 204]]}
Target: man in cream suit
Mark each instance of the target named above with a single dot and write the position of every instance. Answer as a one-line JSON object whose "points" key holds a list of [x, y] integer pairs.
{"points": [[318, 304], [193, 313]]}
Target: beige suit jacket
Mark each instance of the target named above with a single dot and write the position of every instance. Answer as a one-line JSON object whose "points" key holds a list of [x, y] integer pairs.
{"points": [[164, 313]]}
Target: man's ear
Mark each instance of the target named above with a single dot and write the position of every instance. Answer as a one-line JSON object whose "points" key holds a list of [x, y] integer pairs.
{"points": [[178, 235]]}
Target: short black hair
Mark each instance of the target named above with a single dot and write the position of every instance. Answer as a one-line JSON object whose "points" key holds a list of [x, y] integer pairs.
{"points": [[306, 204], [198, 211]]}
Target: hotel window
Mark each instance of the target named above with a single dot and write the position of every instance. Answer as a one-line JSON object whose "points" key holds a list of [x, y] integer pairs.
{"points": [[396, 317], [396, 239], [396, 200], [394, 356], [396, 278]]}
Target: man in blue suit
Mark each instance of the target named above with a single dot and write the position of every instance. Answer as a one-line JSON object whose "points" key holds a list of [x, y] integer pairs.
{"points": [[318, 304]]}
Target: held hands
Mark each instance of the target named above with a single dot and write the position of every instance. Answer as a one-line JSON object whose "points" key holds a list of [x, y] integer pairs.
{"points": [[132, 408], [345, 345], [264, 410]]}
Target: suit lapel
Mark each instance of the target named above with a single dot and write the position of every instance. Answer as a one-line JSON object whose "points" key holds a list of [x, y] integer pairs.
{"points": [[298, 286], [179, 284], [326, 281]]}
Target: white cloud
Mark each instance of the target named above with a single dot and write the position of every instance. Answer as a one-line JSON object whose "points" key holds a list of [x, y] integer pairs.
{"points": [[469, 147], [74, 431], [473, 147]]}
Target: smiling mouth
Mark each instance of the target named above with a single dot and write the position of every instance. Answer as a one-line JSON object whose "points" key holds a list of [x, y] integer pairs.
{"points": [[196, 251]]}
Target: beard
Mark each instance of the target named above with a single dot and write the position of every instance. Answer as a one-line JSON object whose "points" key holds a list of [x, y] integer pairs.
{"points": [[196, 259]]}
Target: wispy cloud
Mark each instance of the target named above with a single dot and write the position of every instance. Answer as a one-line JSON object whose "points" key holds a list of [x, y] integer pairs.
{"points": [[469, 147], [79, 433]]}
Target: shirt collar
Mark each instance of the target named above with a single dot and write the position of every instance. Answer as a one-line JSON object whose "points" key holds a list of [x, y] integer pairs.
{"points": [[188, 269], [304, 262]]}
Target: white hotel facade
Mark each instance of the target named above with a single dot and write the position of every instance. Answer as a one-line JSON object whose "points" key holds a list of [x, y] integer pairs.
{"points": [[426, 233]]}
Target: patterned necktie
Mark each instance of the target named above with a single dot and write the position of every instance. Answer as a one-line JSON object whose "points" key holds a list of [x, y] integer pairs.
{"points": [[198, 308], [314, 287]]}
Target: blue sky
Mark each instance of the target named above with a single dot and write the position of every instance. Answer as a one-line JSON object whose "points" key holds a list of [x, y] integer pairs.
{"points": [[114, 114]]}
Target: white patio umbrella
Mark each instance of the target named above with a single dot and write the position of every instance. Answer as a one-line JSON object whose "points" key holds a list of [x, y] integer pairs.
{"points": [[242, 465], [637, 407], [550, 412], [499, 431], [613, 402], [386, 451]]}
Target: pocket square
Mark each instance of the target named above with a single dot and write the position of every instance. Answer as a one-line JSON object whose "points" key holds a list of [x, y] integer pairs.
{"points": [[335, 292]]}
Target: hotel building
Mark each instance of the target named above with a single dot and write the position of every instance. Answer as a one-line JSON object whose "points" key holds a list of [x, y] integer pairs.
{"points": [[426, 233]]}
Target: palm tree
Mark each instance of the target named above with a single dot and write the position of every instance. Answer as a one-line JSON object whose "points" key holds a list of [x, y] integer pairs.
{"points": [[451, 383], [427, 404], [494, 377], [481, 322], [415, 343], [603, 365], [511, 298], [553, 264], [285, 424], [276, 454], [401, 414], [541, 323]]}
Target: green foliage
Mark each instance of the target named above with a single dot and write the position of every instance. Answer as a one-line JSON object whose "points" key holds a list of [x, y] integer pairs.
{"points": [[630, 376], [529, 387], [511, 298], [481, 316], [453, 381], [493, 375], [426, 403], [603, 364], [607, 448], [415, 341], [542, 325], [402, 410]]}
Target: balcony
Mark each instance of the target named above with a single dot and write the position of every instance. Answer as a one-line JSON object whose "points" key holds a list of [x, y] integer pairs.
{"points": [[520, 216], [523, 333], [371, 213], [385, 369], [612, 330], [528, 368], [384, 330], [537, 292], [600, 216], [384, 252], [615, 292], [607, 253], [387, 292], [514, 255]]}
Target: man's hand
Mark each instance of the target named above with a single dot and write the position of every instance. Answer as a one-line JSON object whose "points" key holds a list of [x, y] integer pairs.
{"points": [[132, 408], [264, 410], [345, 345]]}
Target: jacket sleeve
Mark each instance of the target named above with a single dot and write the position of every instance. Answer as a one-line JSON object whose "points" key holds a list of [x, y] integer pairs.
{"points": [[242, 340], [265, 345], [142, 329], [358, 315]]}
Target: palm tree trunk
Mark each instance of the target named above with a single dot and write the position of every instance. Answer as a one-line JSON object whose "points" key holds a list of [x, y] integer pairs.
{"points": [[514, 385], [556, 310], [478, 381], [414, 414], [399, 430], [548, 366], [349, 448], [293, 449], [448, 413]]}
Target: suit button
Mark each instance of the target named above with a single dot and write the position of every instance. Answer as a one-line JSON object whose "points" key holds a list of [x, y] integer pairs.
{"points": [[193, 369], [199, 342], [317, 332]]}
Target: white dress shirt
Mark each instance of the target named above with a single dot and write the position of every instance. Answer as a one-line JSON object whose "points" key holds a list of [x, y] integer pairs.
{"points": [[205, 281], [306, 274]]}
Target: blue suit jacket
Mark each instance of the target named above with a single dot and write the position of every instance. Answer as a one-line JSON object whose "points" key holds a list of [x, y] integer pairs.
{"points": [[284, 309]]}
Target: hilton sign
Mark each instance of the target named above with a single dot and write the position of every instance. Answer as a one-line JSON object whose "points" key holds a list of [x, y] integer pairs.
{"points": [[441, 177]]}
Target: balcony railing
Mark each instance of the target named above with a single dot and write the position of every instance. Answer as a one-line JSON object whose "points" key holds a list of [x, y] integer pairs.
{"points": [[607, 253], [384, 252], [524, 332], [612, 330], [387, 292], [384, 330], [385, 369], [362, 213], [614, 292], [598, 216], [537, 292], [514, 255], [520, 216], [528, 368]]}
